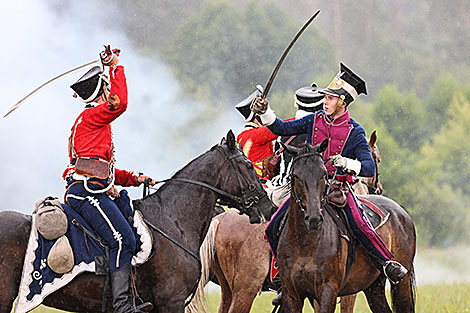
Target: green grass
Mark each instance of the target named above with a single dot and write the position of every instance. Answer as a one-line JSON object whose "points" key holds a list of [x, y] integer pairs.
{"points": [[430, 299]]}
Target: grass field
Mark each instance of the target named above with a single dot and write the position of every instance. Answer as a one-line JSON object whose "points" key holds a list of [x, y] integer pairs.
{"points": [[430, 299]]}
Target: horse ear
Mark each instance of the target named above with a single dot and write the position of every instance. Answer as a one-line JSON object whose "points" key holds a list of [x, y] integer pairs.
{"points": [[291, 149], [231, 140], [373, 139], [322, 147]]}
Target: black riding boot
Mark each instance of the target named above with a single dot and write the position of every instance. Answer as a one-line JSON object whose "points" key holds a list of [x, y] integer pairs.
{"points": [[121, 292], [394, 271]]}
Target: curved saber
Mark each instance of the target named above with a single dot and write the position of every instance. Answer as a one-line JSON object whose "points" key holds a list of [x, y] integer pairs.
{"points": [[14, 107], [278, 65]]}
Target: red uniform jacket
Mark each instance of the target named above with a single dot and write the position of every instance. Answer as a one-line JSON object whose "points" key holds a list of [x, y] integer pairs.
{"points": [[256, 143], [91, 133]]}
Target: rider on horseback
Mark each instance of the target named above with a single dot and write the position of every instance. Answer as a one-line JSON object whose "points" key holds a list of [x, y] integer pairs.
{"points": [[348, 154], [255, 139], [91, 175]]}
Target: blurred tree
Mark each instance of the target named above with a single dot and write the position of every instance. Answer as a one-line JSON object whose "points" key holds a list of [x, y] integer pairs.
{"points": [[444, 192], [439, 97], [150, 24], [403, 116], [231, 50]]}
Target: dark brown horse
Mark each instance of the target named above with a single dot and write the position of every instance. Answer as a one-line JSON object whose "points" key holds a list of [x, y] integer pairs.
{"points": [[239, 256], [312, 255], [182, 208]]}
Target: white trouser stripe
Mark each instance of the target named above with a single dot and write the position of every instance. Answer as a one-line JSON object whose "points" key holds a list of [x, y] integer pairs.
{"points": [[74, 196], [116, 234]]}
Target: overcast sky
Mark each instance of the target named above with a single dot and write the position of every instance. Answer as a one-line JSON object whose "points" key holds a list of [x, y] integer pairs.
{"points": [[38, 45]]}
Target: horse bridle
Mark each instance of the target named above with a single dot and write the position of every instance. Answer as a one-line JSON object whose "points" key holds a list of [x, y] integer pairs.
{"points": [[328, 184], [250, 195]]}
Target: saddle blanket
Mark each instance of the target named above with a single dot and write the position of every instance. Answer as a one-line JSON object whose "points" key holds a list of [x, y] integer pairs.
{"points": [[38, 280]]}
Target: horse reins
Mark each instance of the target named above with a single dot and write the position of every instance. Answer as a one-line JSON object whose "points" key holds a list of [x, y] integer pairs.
{"points": [[243, 203], [250, 196]]}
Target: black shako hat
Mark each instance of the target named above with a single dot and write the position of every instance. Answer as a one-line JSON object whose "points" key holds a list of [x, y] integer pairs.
{"points": [[346, 85], [309, 98], [90, 85], [244, 106]]}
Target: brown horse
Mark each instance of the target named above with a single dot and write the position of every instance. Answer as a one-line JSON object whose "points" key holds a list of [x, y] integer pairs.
{"points": [[182, 208], [239, 256], [312, 255]]}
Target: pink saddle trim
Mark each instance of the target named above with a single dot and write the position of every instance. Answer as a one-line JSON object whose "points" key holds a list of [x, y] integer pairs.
{"points": [[373, 207]]}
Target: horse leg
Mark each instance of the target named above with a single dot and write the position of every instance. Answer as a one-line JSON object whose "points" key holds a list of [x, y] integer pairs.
{"points": [[242, 301], [291, 304], [347, 303], [403, 294], [225, 291], [327, 300], [375, 295]]}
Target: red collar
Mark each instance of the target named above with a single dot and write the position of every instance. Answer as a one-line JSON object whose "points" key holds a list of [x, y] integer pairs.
{"points": [[340, 119]]}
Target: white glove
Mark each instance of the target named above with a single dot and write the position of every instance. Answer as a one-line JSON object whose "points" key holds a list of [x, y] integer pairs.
{"points": [[346, 164]]}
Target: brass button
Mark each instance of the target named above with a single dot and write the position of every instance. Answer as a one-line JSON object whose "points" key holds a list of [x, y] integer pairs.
{"points": [[315, 136]]}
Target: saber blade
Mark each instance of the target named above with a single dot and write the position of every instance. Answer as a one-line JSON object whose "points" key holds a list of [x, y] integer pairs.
{"points": [[73, 70], [278, 65]]}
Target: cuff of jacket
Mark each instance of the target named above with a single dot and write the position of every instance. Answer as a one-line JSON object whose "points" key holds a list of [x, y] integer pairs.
{"points": [[353, 166], [268, 117]]}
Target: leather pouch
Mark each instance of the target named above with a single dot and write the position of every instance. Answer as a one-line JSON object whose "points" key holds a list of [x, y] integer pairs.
{"points": [[92, 167], [337, 194]]}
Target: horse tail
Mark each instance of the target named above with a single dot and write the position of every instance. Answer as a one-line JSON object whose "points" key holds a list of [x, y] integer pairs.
{"points": [[207, 253], [397, 298], [413, 289]]}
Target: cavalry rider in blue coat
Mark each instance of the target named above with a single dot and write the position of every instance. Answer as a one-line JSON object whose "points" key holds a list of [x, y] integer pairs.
{"points": [[348, 153]]}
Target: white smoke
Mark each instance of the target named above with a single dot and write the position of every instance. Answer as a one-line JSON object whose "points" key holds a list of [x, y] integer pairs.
{"points": [[38, 44]]}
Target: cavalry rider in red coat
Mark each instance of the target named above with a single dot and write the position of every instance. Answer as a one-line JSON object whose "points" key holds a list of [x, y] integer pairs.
{"points": [[255, 140], [348, 152], [91, 175]]}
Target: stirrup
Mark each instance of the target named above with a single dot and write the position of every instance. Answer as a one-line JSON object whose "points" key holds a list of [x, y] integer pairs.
{"points": [[144, 307]]}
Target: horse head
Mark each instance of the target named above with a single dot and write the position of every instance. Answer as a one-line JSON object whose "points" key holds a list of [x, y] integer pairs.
{"points": [[308, 181], [241, 179]]}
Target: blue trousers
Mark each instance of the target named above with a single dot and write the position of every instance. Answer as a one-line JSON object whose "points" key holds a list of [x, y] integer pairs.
{"points": [[108, 218]]}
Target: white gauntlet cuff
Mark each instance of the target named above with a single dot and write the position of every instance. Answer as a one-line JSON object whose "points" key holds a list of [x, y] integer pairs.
{"points": [[268, 117], [353, 165]]}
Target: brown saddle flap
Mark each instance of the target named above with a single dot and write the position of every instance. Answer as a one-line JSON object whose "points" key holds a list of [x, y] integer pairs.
{"points": [[337, 194], [92, 167]]}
